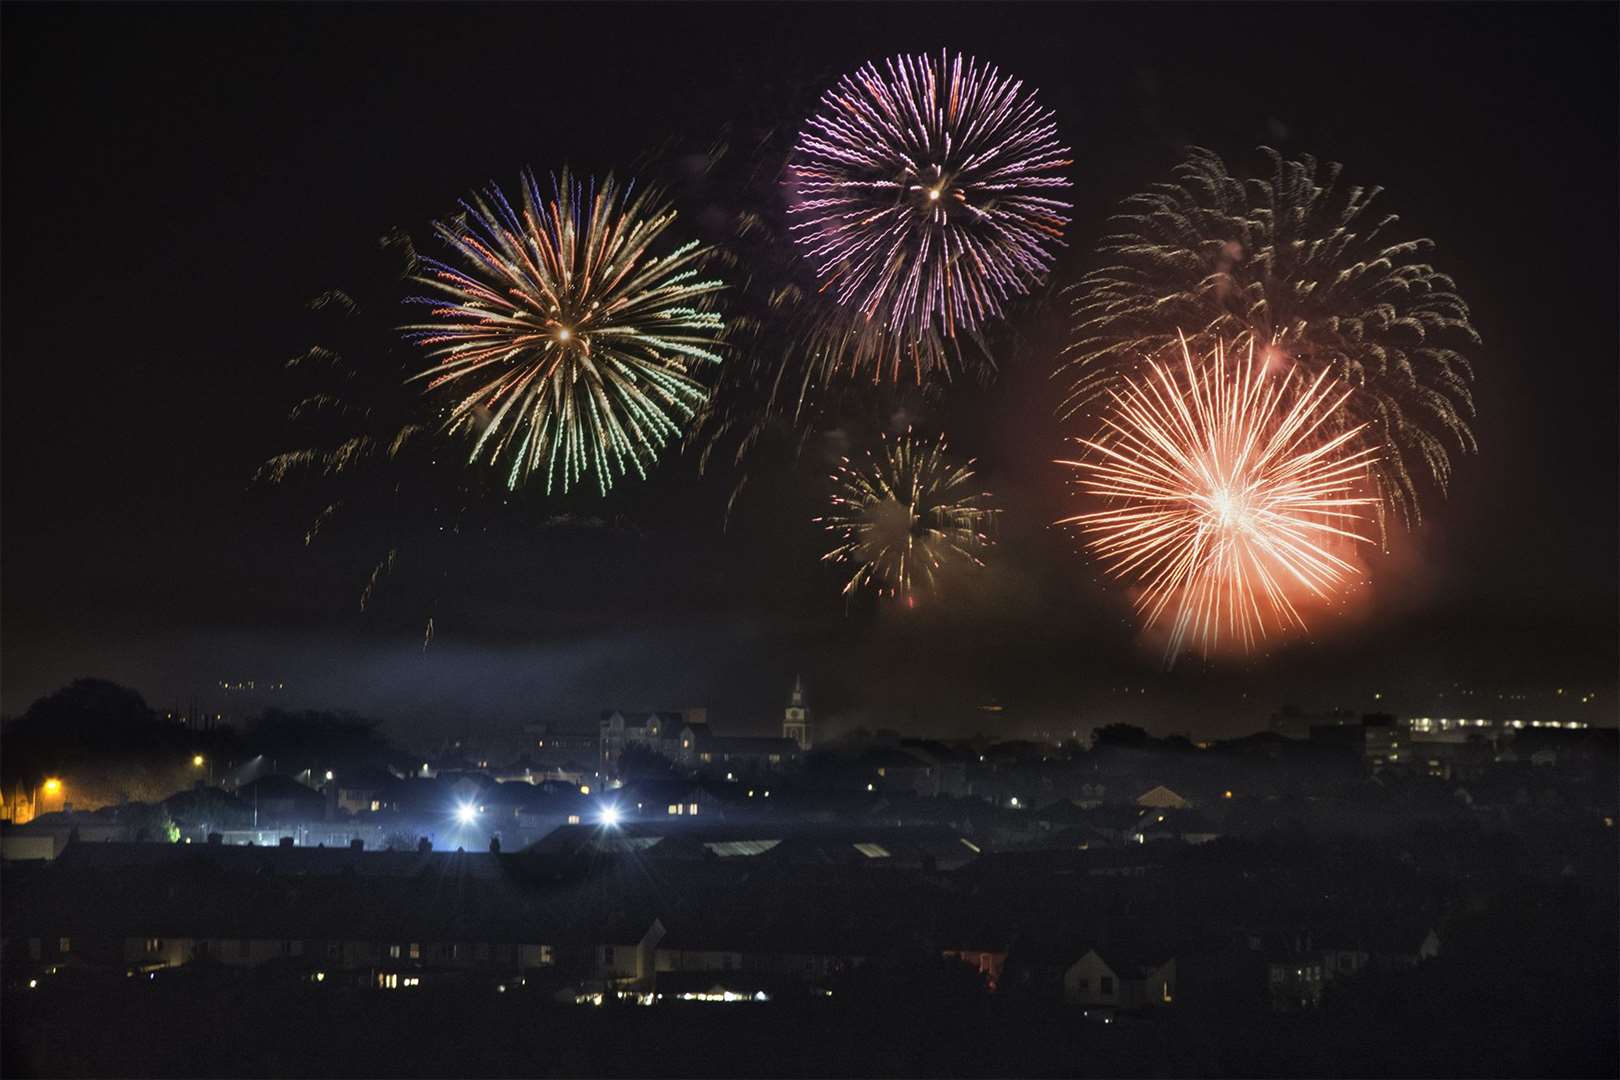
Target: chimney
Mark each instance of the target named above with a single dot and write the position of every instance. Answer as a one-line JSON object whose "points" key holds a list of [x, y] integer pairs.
{"points": [[285, 841], [494, 845], [215, 838], [424, 845], [357, 844]]}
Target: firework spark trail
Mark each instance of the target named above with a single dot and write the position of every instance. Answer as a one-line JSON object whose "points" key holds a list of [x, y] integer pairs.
{"points": [[904, 515], [1225, 499], [567, 345], [1298, 268], [923, 195]]}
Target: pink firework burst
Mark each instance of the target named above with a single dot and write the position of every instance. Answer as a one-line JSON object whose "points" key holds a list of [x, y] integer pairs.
{"points": [[925, 193]]}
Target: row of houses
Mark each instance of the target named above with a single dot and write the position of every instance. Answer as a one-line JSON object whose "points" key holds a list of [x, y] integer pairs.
{"points": [[596, 911]]}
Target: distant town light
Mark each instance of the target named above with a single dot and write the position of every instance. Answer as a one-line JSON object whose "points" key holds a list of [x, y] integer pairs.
{"points": [[53, 786], [584, 789], [466, 813], [329, 774], [197, 760]]}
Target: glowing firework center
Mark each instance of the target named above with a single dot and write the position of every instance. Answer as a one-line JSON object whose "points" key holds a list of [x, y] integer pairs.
{"points": [[1229, 497], [923, 192]]}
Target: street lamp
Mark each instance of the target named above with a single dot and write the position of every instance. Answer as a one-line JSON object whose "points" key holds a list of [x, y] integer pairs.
{"points": [[52, 787]]}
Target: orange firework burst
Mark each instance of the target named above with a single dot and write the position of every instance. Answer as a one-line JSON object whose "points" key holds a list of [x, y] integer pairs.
{"points": [[1228, 492]]}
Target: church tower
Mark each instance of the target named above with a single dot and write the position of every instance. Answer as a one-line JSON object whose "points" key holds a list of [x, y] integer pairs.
{"points": [[796, 719]]}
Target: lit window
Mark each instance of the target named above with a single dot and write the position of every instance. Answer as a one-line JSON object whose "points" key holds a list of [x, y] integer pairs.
{"points": [[416, 950], [691, 808], [154, 945], [573, 819], [674, 808], [64, 944], [393, 952]]}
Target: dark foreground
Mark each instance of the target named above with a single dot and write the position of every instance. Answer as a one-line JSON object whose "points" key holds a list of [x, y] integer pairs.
{"points": [[1447, 1019]]}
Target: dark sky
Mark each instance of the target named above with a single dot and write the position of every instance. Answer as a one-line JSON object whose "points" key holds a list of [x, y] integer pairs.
{"points": [[178, 181]]}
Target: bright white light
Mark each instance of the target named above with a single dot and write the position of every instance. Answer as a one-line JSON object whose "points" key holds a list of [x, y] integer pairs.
{"points": [[610, 815], [466, 813]]}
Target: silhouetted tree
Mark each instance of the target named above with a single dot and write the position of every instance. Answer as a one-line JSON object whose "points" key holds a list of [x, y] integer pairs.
{"points": [[643, 764], [1121, 736], [316, 740]]}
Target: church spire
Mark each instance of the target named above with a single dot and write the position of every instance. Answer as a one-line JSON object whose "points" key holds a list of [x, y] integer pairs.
{"points": [[796, 718]]}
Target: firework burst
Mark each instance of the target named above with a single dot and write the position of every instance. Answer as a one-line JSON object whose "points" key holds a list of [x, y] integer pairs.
{"points": [[923, 193], [1302, 272], [1225, 501], [904, 516], [565, 345]]}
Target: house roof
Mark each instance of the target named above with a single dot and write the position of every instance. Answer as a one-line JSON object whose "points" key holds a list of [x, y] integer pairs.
{"points": [[1063, 812], [276, 787]]}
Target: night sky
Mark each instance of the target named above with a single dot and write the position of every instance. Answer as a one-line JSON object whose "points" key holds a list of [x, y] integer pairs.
{"points": [[179, 181]]}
